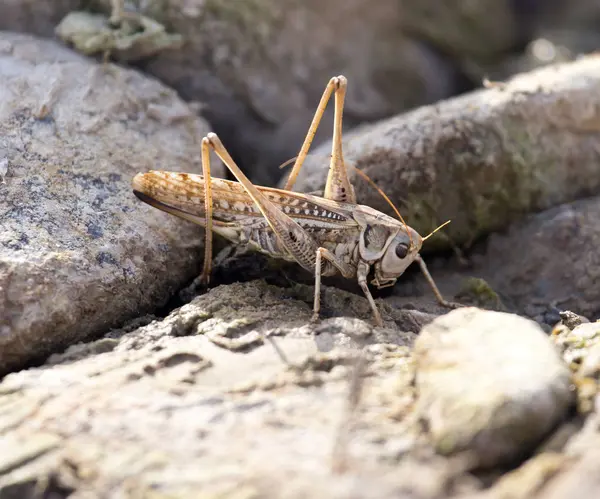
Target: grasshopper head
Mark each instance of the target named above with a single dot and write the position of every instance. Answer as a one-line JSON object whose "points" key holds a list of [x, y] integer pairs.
{"points": [[400, 253]]}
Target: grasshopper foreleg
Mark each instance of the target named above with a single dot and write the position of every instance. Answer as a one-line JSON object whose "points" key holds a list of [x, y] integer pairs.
{"points": [[432, 284]]}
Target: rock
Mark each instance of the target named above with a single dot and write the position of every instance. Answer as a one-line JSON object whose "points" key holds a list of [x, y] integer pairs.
{"points": [[552, 475], [31, 16], [489, 385], [260, 68], [548, 259], [590, 367], [206, 397], [576, 343], [579, 479], [481, 30], [580, 348], [525, 481], [79, 254], [17, 451], [483, 159], [571, 319], [131, 40]]}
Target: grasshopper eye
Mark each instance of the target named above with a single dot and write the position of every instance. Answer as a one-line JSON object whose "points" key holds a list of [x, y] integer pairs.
{"points": [[402, 250]]}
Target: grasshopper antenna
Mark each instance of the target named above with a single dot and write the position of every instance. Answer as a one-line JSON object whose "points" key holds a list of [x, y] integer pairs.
{"points": [[435, 230]]}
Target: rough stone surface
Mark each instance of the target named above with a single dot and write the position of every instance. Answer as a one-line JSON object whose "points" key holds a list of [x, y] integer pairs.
{"points": [[468, 30], [78, 252], [236, 393], [482, 159], [129, 40], [580, 348], [207, 397], [489, 384], [548, 259], [580, 478]]}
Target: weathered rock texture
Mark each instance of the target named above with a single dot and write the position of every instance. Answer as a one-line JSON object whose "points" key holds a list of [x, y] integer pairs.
{"points": [[78, 252], [548, 259], [221, 386], [478, 31], [236, 393], [482, 159], [489, 384]]}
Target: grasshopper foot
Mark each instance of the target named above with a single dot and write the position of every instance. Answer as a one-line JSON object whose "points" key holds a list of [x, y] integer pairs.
{"points": [[203, 280], [377, 319], [451, 305]]}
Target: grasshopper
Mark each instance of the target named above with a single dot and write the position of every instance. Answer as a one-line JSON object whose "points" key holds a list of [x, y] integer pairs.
{"points": [[325, 235]]}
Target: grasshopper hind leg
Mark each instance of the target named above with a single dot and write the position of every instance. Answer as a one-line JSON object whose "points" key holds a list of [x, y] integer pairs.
{"points": [[338, 186], [208, 210]]}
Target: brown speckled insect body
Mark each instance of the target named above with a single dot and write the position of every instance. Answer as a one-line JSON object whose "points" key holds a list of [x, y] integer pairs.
{"points": [[326, 235]]}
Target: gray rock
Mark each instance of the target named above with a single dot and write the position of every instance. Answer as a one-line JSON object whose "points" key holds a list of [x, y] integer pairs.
{"points": [[481, 159], [489, 385], [31, 16], [528, 481], [549, 260], [571, 319], [79, 254], [580, 348], [579, 479], [477, 31], [208, 396]]}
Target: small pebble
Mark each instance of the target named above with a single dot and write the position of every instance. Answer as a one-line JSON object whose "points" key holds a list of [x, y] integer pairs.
{"points": [[489, 383]]}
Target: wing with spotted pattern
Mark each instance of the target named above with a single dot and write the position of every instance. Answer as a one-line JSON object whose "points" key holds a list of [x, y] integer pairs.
{"points": [[182, 194]]}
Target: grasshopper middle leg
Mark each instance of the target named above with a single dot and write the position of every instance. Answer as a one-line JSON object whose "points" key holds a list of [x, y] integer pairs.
{"points": [[361, 273], [347, 272]]}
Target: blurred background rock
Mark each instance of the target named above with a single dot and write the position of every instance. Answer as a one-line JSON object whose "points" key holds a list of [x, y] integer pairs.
{"points": [[257, 68]]}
